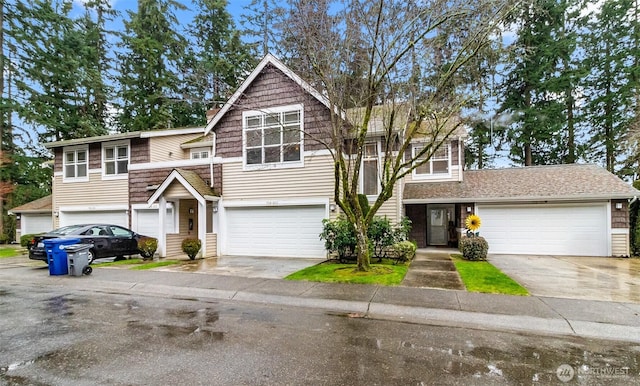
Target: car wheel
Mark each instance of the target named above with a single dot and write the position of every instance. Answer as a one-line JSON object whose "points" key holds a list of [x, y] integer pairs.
{"points": [[91, 256]]}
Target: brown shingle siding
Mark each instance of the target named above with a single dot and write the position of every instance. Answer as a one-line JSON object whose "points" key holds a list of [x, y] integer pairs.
{"points": [[95, 156], [271, 89], [139, 150], [140, 179], [619, 217]]}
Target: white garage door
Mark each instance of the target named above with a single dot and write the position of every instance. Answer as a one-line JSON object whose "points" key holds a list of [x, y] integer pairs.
{"points": [[36, 223], [116, 217], [147, 222], [291, 231], [546, 229]]}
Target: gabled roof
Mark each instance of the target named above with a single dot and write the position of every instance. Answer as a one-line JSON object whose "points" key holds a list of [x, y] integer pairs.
{"points": [[199, 189], [577, 182], [268, 59], [41, 205]]}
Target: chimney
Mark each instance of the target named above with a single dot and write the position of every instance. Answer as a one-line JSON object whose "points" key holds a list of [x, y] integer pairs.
{"points": [[212, 113]]}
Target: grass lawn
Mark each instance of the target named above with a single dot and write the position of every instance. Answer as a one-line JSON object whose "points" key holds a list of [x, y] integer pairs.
{"points": [[138, 264], [8, 252], [481, 276], [331, 272]]}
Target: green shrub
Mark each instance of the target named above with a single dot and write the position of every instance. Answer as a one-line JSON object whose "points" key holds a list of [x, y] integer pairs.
{"points": [[474, 248], [405, 250], [147, 247], [4, 239], [381, 235], [339, 237], [25, 240], [191, 247]]}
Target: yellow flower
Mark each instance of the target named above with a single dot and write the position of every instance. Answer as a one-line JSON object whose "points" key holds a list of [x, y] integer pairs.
{"points": [[472, 222]]}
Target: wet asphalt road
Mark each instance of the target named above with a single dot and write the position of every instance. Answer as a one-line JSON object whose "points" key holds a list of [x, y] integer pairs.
{"points": [[50, 337]]}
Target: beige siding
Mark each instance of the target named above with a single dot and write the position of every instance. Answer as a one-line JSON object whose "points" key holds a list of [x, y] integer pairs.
{"points": [[167, 148], [390, 207], [455, 173], [315, 179], [174, 247], [212, 244], [620, 244], [96, 191], [176, 190]]}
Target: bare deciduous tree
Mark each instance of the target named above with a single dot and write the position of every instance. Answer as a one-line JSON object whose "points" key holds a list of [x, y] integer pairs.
{"points": [[391, 71]]}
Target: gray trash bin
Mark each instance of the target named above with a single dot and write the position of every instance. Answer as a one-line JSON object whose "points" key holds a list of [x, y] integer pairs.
{"points": [[78, 259]]}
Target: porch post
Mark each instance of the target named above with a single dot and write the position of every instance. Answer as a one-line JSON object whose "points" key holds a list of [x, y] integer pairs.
{"points": [[202, 226], [162, 217]]}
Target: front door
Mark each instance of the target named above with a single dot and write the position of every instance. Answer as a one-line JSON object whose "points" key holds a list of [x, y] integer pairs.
{"points": [[438, 217]]}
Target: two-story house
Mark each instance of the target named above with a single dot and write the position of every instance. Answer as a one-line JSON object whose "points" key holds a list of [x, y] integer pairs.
{"points": [[256, 181]]}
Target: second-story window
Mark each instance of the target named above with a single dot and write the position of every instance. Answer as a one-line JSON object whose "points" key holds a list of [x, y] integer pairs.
{"points": [[273, 137], [370, 169], [115, 159], [75, 163], [200, 153], [437, 165]]}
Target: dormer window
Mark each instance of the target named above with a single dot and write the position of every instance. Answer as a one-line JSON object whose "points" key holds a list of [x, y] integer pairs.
{"points": [[200, 153], [438, 165], [273, 137]]}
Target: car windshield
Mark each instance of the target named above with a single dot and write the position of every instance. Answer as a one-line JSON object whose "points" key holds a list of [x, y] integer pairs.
{"points": [[66, 230]]}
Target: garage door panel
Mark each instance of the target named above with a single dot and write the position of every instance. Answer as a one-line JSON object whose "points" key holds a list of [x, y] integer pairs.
{"points": [[546, 229], [115, 217], [281, 231], [147, 222], [36, 223]]}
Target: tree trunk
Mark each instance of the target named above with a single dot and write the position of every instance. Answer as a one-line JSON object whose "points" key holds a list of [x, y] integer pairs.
{"points": [[528, 159], [362, 249]]}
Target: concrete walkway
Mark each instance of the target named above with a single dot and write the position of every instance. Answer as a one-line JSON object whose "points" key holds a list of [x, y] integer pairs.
{"points": [[433, 269], [533, 314]]}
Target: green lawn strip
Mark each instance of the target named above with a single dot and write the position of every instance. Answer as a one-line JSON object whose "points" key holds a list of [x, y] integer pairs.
{"points": [[119, 262], [154, 264], [8, 252], [330, 272], [137, 264], [481, 276]]}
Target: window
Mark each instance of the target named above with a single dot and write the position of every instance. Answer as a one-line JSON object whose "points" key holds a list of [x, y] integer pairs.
{"points": [[273, 137], [438, 164], [75, 163], [115, 159], [120, 232], [370, 169], [199, 153]]}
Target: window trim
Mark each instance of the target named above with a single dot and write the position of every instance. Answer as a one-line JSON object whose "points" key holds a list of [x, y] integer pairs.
{"points": [[200, 150], [274, 165], [75, 149], [115, 145], [431, 175], [378, 163]]}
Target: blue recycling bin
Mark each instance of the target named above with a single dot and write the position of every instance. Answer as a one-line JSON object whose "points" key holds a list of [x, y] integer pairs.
{"points": [[57, 256]]}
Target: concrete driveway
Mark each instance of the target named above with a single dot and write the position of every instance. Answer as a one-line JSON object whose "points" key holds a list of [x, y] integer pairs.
{"points": [[245, 266], [594, 278]]}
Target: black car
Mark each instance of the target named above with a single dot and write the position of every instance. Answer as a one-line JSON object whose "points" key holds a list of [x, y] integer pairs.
{"points": [[107, 240]]}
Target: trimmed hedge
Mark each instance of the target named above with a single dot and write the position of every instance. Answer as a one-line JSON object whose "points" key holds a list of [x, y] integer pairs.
{"points": [[147, 247], [191, 247], [474, 248]]}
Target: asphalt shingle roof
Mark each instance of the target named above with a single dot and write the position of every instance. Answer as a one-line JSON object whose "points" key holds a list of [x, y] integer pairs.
{"points": [[556, 182], [41, 205], [196, 182]]}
